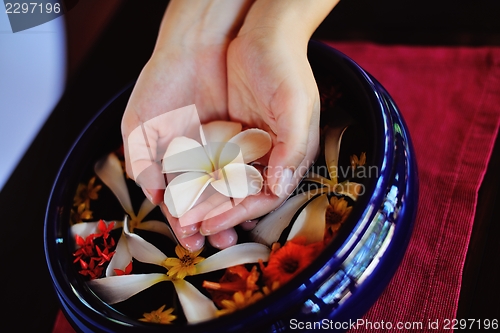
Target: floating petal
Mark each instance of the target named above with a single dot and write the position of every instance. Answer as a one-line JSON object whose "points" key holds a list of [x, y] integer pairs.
{"points": [[269, 229], [158, 227], [314, 177], [197, 307], [114, 289], [84, 229], [310, 223], [239, 181], [333, 137], [143, 250], [146, 208], [185, 154], [349, 189], [183, 191], [121, 258], [239, 254], [110, 172]]}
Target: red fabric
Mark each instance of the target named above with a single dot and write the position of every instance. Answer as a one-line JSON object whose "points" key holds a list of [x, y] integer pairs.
{"points": [[450, 99], [62, 325]]}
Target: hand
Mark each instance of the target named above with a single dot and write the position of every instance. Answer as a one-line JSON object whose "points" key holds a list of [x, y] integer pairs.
{"points": [[265, 82], [188, 66], [271, 86]]}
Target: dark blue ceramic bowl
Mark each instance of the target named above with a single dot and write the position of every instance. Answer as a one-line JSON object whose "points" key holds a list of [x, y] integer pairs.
{"points": [[338, 287]]}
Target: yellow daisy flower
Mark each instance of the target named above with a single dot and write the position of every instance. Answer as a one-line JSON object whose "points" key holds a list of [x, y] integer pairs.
{"points": [[240, 300], [85, 193], [159, 316], [179, 268], [336, 213]]}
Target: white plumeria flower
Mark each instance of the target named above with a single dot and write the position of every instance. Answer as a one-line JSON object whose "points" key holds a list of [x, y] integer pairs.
{"points": [[311, 221], [197, 307], [110, 171], [219, 161]]}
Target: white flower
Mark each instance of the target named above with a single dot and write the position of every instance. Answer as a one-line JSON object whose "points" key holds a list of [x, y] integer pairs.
{"points": [[110, 171], [197, 307], [312, 220], [220, 162]]}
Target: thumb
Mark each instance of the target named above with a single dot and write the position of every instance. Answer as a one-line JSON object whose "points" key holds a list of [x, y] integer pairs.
{"points": [[297, 143]]}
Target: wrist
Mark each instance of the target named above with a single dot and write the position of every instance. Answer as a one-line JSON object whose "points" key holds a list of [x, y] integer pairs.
{"points": [[295, 20], [195, 25]]}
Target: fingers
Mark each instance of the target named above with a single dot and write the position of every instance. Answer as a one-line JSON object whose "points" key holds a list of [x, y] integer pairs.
{"points": [[250, 208], [223, 239], [188, 237], [296, 112]]}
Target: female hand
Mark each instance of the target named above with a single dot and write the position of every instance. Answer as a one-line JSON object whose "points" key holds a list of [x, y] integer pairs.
{"points": [[188, 66], [271, 86]]}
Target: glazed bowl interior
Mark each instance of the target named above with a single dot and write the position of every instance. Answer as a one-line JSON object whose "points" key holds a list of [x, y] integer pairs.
{"points": [[353, 97]]}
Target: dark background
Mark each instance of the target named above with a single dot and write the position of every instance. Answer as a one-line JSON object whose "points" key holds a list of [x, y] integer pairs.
{"points": [[108, 44]]}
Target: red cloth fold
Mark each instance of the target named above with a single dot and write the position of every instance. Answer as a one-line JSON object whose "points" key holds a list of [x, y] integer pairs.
{"points": [[450, 100]]}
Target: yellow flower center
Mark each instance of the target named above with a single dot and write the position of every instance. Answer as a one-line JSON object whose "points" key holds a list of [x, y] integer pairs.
{"points": [[187, 260], [290, 265], [156, 318]]}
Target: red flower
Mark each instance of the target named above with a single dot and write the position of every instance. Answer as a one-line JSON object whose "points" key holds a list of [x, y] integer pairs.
{"points": [[90, 256], [127, 270], [287, 261]]}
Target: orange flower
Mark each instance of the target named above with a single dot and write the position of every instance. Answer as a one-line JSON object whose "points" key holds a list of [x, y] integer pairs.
{"points": [[235, 279], [287, 261]]}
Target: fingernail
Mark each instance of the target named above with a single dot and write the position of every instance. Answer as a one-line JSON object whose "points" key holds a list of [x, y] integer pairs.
{"points": [[205, 232], [194, 244], [188, 230], [283, 186]]}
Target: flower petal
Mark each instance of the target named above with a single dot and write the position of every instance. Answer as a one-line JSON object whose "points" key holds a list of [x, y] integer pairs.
{"points": [[183, 191], [216, 134], [311, 221], [239, 254], [121, 258], [253, 143], [110, 171], [146, 207], [314, 177], [158, 227], [185, 154], [114, 289], [239, 181], [349, 189], [197, 307], [333, 137], [269, 229], [143, 250], [219, 131], [84, 229]]}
